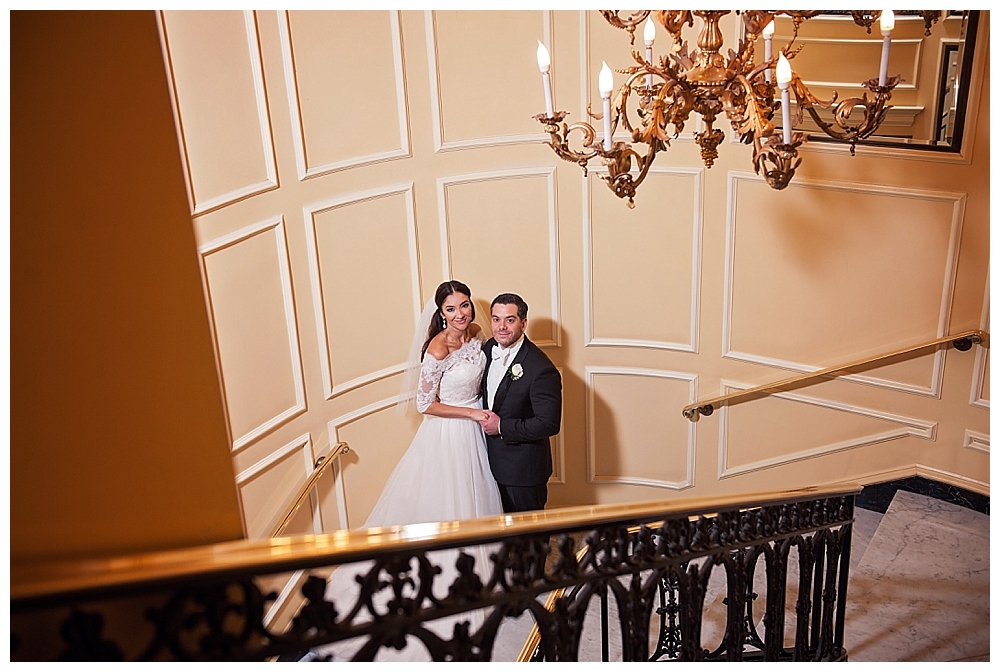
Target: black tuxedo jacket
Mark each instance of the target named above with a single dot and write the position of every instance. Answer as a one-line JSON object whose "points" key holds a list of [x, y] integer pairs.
{"points": [[530, 409]]}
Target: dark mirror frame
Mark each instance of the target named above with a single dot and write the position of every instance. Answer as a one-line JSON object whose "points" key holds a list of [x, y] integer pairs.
{"points": [[961, 104]]}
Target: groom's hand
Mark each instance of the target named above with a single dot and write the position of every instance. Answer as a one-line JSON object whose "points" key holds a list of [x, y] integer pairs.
{"points": [[491, 425]]}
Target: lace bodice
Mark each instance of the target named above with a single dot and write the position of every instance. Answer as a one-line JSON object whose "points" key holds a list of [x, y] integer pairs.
{"points": [[453, 380]]}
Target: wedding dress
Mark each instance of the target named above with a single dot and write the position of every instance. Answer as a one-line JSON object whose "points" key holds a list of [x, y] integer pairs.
{"points": [[445, 473], [443, 476]]}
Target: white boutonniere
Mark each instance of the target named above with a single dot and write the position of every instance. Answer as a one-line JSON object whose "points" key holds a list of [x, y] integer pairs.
{"points": [[516, 372]]}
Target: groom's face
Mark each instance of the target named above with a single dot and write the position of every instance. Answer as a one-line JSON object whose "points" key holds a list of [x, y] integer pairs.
{"points": [[505, 324]]}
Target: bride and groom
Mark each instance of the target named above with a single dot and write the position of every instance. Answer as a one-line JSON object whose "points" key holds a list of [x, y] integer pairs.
{"points": [[489, 409], [481, 450]]}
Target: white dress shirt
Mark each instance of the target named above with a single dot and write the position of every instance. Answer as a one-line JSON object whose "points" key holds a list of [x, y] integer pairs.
{"points": [[502, 359]]}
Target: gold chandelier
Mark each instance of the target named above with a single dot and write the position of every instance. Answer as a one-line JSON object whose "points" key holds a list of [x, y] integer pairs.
{"points": [[702, 80]]}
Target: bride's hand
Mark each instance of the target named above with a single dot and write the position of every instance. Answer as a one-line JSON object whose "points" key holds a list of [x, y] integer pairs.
{"points": [[478, 415]]}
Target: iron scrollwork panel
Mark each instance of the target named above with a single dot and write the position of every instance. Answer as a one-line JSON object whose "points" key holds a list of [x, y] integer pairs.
{"points": [[633, 562]]}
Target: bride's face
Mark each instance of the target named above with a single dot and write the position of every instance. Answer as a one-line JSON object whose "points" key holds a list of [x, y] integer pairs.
{"points": [[457, 311]]}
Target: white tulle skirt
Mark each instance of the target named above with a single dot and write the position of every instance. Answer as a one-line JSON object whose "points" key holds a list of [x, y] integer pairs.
{"points": [[443, 476]]}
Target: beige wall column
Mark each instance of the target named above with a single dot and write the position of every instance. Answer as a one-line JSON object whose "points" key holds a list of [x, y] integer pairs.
{"points": [[117, 436]]}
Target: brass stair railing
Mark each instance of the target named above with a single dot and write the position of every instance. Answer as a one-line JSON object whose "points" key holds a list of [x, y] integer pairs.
{"points": [[963, 341], [323, 463]]}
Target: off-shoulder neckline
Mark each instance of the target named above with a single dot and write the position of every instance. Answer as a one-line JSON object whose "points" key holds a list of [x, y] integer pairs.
{"points": [[477, 338]]}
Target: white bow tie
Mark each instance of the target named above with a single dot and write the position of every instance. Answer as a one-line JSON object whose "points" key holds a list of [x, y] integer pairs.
{"points": [[499, 352]]}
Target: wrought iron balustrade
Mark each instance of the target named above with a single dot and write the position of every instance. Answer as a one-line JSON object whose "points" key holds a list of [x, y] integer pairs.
{"points": [[207, 603]]}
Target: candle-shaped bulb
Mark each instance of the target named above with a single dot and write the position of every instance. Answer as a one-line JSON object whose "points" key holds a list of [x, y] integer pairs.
{"points": [[887, 21], [768, 33], [543, 57], [605, 81], [783, 71], [649, 32]]}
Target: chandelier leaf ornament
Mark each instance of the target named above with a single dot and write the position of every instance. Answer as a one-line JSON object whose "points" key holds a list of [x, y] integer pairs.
{"points": [[665, 92]]}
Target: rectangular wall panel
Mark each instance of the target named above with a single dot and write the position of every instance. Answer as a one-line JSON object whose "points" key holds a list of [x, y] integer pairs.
{"points": [[250, 302], [788, 427], [630, 439], [268, 487], [644, 273], [363, 260], [499, 235], [482, 64], [378, 436], [824, 273], [346, 109], [216, 73]]}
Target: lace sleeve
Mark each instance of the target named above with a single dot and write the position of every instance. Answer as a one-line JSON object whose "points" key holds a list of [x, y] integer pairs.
{"points": [[431, 371]]}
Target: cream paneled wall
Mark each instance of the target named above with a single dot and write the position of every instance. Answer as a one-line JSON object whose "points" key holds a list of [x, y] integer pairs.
{"points": [[342, 164]]}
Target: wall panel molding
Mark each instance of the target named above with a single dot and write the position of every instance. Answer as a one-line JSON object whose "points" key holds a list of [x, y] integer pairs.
{"points": [[947, 294], [979, 377], [934, 474], [306, 171], [590, 373], [558, 452], [976, 441], [923, 429], [437, 112], [443, 183], [589, 339], [332, 389], [923, 471], [301, 444], [876, 43], [200, 207], [277, 226], [333, 430], [290, 589]]}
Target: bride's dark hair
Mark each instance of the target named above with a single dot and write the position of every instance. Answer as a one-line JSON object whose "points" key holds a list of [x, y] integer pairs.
{"points": [[444, 290]]}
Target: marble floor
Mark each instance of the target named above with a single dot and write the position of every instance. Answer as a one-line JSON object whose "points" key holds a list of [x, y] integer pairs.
{"points": [[919, 590], [922, 590]]}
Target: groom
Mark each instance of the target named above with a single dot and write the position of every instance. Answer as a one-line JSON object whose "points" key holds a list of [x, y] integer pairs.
{"points": [[522, 391]]}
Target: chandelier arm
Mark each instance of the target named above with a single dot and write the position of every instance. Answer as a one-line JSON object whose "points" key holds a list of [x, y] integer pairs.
{"points": [[755, 20], [627, 23], [930, 17], [559, 139], [755, 121], [841, 128], [619, 163], [673, 21], [618, 107]]}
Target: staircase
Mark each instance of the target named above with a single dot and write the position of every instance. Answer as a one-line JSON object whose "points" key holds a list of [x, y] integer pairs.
{"points": [[919, 590]]}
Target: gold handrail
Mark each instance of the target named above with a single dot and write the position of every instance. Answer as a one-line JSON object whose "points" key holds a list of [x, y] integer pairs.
{"points": [[962, 341], [34, 581], [535, 636], [322, 464]]}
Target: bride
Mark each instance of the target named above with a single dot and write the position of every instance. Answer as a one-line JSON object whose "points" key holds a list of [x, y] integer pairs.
{"points": [[444, 474]]}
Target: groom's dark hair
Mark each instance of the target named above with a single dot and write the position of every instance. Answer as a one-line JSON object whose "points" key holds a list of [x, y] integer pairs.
{"points": [[512, 299]]}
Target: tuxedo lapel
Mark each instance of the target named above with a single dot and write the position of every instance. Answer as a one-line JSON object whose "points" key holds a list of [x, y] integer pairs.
{"points": [[483, 391], [506, 380]]}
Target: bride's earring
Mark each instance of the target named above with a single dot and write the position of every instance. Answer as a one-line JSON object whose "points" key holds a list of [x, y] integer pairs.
{"points": [[444, 323]]}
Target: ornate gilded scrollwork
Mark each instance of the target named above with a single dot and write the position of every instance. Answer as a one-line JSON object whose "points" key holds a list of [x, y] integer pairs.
{"points": [[703, 80]]}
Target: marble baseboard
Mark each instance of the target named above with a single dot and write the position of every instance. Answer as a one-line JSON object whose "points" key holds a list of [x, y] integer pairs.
{"points": [[878, 496]]}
